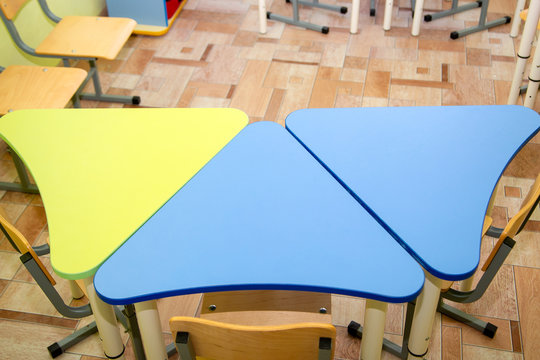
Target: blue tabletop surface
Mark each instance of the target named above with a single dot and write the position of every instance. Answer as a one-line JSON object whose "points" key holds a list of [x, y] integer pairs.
{"points": [[426, 173], [262, 214]]}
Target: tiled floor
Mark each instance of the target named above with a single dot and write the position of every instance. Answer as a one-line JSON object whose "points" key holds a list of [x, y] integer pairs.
{"points": [[214, 57]]}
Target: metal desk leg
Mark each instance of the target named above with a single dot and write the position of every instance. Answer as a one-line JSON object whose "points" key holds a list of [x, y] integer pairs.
{"points": [[106, 323], [387, 22], [524, 52], [418, 9], [354, 16], [373, 334], [534, 80], [262, 16], [424, 314], [150, 328], [516, 20]]}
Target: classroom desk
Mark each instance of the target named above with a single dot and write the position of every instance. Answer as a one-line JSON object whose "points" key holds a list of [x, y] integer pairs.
{"points": [[262, 214], [103, 172], [426, 174]]}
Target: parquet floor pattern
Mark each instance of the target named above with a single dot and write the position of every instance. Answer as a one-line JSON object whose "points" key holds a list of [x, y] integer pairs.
{"points": [[213, 56]]}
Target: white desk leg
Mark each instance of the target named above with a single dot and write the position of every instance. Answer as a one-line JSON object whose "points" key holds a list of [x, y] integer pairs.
{"points": [[387, 21], [106, 323], [516, 20], [524, 52], [534, 77], [424, 314], [262, 16], [373, 333], [418, 14], [355, 14], [150, 327], [76, 291]]}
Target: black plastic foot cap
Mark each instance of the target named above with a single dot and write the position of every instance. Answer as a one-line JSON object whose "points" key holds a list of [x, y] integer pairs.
{"points": [[268, 13], [55, 350], [371, 12], [325, 30], [353, 328], [508, 19], [427, 18], [288, 1], [136, 100], [343, 10], [454, 35], [490, 330]]}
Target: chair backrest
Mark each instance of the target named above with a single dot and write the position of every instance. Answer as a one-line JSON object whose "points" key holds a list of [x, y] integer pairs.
{"points": [[220, 341], [518, 221], [21, 244], [10, 8], [259, 307]]}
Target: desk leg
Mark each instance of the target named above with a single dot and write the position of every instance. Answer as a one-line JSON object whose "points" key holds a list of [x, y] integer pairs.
{"points": [[373, 333], [424, 314], [355, 15], [387, 22], [417, 18], [150, 327], [262, 16], [106, 323]]}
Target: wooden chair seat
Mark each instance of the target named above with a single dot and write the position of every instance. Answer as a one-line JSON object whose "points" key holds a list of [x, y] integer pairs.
{"points": [[38, 87], [76, 36]]}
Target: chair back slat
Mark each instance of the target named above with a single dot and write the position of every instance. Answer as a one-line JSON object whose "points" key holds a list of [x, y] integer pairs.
{"points": [[11, 8], [221, 341], [23, 246], [518, 221]]}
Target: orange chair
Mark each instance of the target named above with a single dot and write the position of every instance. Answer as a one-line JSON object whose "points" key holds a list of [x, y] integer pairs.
{"points": [[493, 263], [76, 38], [200, 338]]}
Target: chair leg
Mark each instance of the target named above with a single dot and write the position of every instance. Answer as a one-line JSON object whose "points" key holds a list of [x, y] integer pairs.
{"points": [[25, 185], [486, 328], [295, 20], [482, 25], [100, 96], [355, 329], [59, 347]]}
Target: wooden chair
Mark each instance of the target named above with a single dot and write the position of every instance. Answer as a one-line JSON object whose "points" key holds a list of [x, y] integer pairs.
{"points": [[29, 257], [36, 87], [201, 338], [76, 38], [493, 263]]}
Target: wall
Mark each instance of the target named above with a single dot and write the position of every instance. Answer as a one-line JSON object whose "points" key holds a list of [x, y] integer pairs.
{"points": [[34, 26]]}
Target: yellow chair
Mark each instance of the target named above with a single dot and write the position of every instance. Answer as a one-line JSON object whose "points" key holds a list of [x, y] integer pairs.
{"points": [[77, 38], [36, 87], [30, 259], [493, 263], [201, 338]]}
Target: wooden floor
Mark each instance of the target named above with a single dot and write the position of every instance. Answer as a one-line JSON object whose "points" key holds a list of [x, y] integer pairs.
{"points": [[213, 56]]}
